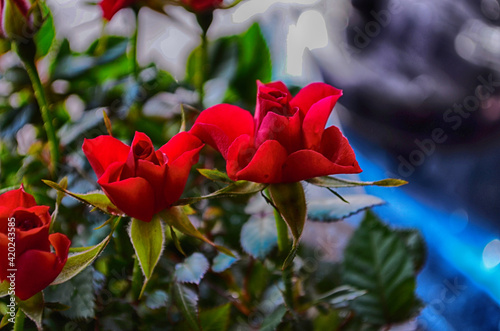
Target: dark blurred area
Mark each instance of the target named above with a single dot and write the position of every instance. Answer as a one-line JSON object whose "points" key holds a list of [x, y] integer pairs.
{"points": [[421, 82], [424, 86]]}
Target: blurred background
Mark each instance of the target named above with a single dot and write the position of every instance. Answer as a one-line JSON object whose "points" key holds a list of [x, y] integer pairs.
{"points": [[421, 102]]}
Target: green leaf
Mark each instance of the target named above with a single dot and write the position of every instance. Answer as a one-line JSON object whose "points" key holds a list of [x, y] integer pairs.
{"points": [[259, 236], [416, 246], [187, 302], [33, 308], [60, 195], [377, 260], [177, 218], [157, 299], [147, 239], [272, 321], [290, 201], [332, 209], [77, 294], [340, 296], [222, 262], [329, 321], [192, 269], [5, 320], [78, 262], [334, 182], [216, 319], [235, 189], [254, 63], [194, 67], [4, 288], [97, 200], [45, 35], [215, 175], [56, 306]]}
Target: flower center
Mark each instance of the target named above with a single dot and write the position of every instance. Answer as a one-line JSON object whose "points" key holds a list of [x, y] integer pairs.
{"points": [[26, 221]]}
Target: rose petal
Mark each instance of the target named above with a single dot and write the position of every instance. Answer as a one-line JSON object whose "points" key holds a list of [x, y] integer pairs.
{"points": [[17, 198], [156, 176], [311, 94], [220, 125], [178, 174], [180, 144], [306, 164], [134, 196], [111, 7], [286, 130], [3, 256], [267, 101], [103, 151], [266, 165], [37, 269], [315, 121], [336, 148]]}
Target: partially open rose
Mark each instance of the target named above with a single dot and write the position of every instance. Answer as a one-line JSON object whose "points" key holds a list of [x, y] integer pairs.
{"points": [[139, 180], [285, 142], [30, 246]]}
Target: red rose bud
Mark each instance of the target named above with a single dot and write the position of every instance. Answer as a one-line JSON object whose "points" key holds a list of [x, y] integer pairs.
{"points": [[25, 244], [139, 180], [285, 142], [111, 7], [199, 6], [17, 19]]}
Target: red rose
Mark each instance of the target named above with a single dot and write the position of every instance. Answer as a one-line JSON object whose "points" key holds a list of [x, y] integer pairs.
{"points": [[36, 265], [111, 7], [199, 6], [139, 180], [285, 142]]}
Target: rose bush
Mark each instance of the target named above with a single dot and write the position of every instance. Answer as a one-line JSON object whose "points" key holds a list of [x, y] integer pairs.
{"points": [[285, 142], [137, 179], [199, 6], [36, 265]]}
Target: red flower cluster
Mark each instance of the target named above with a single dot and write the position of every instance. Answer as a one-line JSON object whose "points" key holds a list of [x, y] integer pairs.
{"points": [[29, 247], [285, 142], [139, 180]]}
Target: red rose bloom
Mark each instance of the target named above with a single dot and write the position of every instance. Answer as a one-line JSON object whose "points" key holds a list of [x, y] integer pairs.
{"points": [[139, 180], [36, 265], [199, 6], [285, 142], [111, 7]]}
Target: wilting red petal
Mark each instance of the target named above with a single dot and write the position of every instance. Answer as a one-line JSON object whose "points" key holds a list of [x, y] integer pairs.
{"points": [[220, 125], [311, 94], [134, 196], [306, 164], [103, 151], [37, 269], [266, 164], [17, 198], [315, 121]]}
